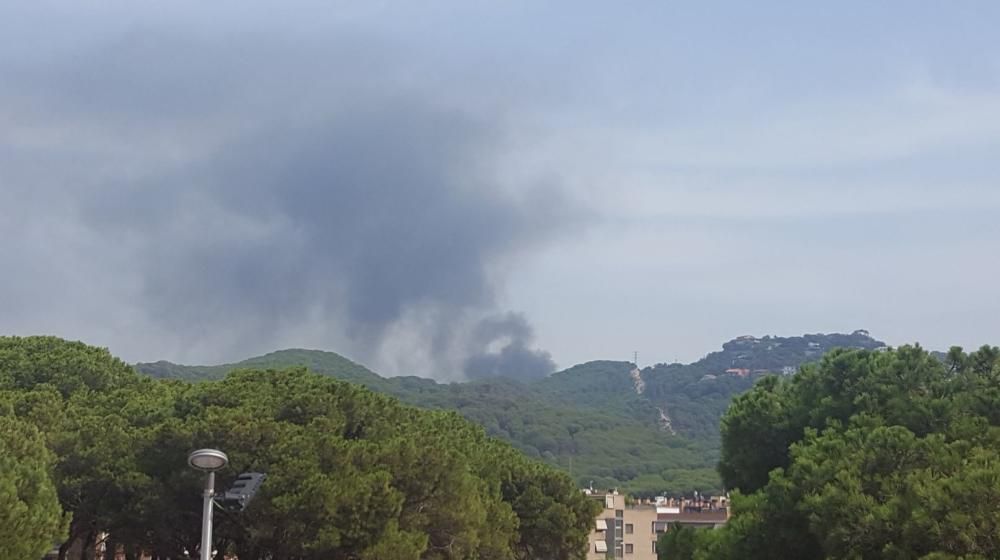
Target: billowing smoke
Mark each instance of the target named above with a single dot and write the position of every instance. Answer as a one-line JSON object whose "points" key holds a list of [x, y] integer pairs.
{"points": [[306, 199], [501, 347]]}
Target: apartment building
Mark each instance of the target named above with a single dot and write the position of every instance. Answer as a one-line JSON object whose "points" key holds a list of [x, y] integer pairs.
{"points": [[630, 531]]}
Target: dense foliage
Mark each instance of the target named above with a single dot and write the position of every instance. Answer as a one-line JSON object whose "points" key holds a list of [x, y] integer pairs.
{"points": [[30, 518], [866, 455], [584, 420], [590, 420], [352, 474], [696, 395]]}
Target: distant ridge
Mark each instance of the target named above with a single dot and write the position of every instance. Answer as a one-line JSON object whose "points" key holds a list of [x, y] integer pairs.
{"points": [[319, 361], [590, 419], [696, 395]]}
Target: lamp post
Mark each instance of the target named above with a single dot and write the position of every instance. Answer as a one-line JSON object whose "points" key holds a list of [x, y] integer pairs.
{"points": [[209, 461]]}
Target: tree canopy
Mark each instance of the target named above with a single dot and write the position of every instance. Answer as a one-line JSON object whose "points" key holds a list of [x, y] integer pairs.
{"points": [[586, 419], [351, 474], [867, 454], [30, 518]]}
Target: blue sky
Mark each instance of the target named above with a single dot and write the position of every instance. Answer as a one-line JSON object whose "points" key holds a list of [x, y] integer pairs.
{"points": [[647, 176]]}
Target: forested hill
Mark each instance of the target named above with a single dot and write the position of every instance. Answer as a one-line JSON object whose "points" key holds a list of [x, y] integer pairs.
{"points": [[647, 432], [92, 453], [866, 455], [327, 363], [695, 395]]}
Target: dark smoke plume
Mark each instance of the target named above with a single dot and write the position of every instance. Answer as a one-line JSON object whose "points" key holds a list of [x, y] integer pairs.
{"points": [[259, 190], [510, 337]]}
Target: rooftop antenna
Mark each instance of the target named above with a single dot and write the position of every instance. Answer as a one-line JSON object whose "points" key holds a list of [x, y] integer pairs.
{"points": [[635, 358]]}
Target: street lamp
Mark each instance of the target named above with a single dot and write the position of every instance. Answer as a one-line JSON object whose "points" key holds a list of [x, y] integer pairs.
{"points": [[209, 461]]}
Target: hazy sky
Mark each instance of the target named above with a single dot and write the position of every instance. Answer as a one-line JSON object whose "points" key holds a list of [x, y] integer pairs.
{"points": [[472, 188]]}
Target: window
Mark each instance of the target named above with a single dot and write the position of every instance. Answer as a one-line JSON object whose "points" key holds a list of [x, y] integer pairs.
{"points": [[628, 548], [619, 513], [654, 547], [629, 529]]}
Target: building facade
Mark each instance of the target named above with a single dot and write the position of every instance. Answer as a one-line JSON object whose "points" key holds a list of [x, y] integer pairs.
{"points": [[630, 531]]}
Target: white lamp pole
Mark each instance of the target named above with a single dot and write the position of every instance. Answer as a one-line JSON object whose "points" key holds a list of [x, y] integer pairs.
{"points": [[209, 461]]}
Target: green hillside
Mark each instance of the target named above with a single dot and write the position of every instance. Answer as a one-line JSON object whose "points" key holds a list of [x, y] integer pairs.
{"points": [[696, 395], [92, 452], [326, 363], [867, 454], [645, 432]]}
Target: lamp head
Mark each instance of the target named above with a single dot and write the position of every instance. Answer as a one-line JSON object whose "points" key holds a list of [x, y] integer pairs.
{"points": [[208, 460]]}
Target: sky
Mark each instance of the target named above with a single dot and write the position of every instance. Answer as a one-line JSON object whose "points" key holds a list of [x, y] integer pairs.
{"points": [[459, 189]]}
